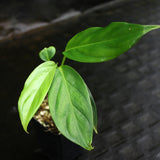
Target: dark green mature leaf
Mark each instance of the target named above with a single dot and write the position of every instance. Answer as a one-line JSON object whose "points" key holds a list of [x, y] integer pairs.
{"points": [[70, 106], [47, 54], [34, 91], [94, 109], [99, 44]]}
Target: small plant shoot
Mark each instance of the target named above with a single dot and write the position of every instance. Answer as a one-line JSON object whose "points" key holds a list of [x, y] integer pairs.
{"points": [[47, 53], [71, 103]]}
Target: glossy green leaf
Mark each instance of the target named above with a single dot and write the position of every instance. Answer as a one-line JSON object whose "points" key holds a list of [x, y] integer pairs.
{"points": [[94, 109], [70, 106], [34, 91], [100, 44], [47, 54]]}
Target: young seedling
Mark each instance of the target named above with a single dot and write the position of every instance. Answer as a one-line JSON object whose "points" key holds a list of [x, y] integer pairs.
{"points": [[71, 104]]}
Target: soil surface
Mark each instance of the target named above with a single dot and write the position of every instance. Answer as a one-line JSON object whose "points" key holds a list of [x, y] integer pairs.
{"points": [[43, 117]]}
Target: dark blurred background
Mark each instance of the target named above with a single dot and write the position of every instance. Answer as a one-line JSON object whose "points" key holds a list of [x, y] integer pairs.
{"points": [[126, 89], [42, 10]]}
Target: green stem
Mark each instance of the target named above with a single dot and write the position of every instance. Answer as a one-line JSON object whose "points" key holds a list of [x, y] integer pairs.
{"points": [[63, 60]]}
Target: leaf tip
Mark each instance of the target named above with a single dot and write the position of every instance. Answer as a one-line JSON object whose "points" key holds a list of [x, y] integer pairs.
{"points": [[149, 28], [26, 131], [25, 127], [90, 147]]}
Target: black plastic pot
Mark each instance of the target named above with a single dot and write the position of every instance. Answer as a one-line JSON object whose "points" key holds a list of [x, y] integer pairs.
{"points": [[54, 146]]}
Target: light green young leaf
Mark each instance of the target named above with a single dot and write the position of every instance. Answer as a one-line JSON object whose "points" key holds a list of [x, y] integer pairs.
{"points": [[47, 54], [100, 44], [70, 106], [34, 91]]}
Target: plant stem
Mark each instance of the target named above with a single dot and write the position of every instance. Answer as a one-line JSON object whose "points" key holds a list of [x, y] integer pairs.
{"points": [[63, 60]]}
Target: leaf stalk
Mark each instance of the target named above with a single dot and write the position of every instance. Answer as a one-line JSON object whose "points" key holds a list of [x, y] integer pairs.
{"points": [[63, 60]]}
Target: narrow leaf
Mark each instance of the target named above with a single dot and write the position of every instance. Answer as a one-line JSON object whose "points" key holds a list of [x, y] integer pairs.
{"points": [[70, 106], [94, 109], [100, 44], [34, 91], [47, 54]]}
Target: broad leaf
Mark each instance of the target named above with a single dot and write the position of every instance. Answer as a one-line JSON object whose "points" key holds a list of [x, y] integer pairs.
{"points": [[34, 91], [47, 54], [94, 109], [70, 106], [99, 44]]}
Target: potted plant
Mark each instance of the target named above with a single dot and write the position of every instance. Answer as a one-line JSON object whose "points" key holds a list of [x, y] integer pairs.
{"points": [[57, 96]]}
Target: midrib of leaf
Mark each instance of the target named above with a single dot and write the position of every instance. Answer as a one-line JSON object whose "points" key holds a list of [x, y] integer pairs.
{"points": [[47, 54], [144, 31], [94, 43], [75, 105], [76, 89], [65, 83], [86, 45], [35, 93], [50, 67]]}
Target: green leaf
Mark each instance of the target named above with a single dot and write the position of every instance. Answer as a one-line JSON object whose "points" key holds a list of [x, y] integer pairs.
{"points": [[70, 106], [94, 109], [47, 54], [34, 91], [100, 44]]}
